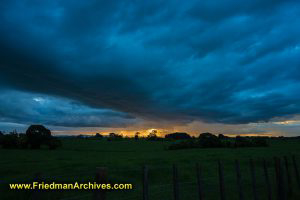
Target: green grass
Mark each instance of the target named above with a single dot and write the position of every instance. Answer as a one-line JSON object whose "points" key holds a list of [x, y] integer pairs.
{"points": [[78, 158]]}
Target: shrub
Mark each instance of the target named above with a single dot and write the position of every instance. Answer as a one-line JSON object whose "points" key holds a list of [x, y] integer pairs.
{"points": [[22, 141], [9, 141], [242, 142]]}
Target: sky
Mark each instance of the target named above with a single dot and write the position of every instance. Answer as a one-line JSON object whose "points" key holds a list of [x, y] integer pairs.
{"points": [[88, 66]]}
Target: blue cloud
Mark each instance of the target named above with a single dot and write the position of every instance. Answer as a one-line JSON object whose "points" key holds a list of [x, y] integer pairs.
{"points": [[31, 108], [223, 62]]}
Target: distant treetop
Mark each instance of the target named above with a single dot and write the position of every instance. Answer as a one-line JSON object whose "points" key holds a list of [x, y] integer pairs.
{"points": [[178, 136]]}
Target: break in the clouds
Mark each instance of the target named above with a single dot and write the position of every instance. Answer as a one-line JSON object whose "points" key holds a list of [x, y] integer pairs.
{"points": [[116, 63]]}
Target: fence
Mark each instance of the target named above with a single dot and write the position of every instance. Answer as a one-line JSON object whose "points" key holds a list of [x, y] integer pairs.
{"points": [[286, 173]]}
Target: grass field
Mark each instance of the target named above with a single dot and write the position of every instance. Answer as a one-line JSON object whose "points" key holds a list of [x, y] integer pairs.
{"points": [[78, 159]]}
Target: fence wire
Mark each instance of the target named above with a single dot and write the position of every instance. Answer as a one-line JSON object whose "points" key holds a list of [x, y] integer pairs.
{"points": [[155, 188]]}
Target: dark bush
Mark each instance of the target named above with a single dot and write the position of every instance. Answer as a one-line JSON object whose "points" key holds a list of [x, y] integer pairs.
{"points": [[22, 141], [13, 140], [242, 142], [206, 140], [9, 141]]}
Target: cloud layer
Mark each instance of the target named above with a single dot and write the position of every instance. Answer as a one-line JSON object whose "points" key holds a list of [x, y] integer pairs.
{"points": [[126, 62]]}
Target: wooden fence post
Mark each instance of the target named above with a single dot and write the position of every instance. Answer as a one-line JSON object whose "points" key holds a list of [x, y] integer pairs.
{"points": [[199, 181], [145, 183], [221, 180], [238, 177], [281, 176], [277, 178], [253, 178], [296, 170], [175, 182], [101, 177], [267, 180], [278, 170], [289, 180]]}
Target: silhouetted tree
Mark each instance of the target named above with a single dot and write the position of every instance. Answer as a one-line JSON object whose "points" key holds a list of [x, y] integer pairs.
{"points": [[222, 137], [38, 135], [136, 136], [114, 136], [98, 135], [152, 136], [178, 136], [242, 142], [209, 140]]}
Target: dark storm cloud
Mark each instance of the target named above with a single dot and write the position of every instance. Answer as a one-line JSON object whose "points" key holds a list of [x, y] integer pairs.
{"points": [[20, 107], [215, 61]]}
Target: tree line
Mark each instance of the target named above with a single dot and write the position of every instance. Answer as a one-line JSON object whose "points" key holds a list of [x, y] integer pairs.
{"points": [[181, 140], [35, 137]]}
